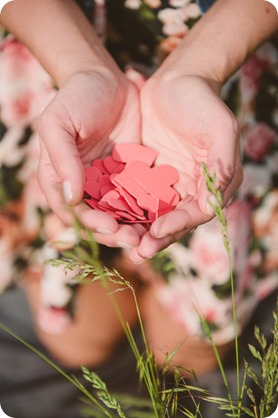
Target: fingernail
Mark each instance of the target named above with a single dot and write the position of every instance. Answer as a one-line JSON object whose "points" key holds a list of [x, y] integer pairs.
{"points": [[138, 262], [68, 195], [104, 231], [211, 205], [123, 244]]}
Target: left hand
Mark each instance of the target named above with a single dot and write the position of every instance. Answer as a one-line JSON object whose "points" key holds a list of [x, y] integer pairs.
{"points": [[185, 120]]}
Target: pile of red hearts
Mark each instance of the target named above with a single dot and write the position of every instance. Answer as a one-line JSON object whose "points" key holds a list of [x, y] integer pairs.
{"points": [[127, 186]]}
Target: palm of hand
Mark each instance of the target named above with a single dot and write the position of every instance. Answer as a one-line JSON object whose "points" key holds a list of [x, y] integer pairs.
{"points": [[188, 124], [90, 114], [184, 122], [86, 118]]}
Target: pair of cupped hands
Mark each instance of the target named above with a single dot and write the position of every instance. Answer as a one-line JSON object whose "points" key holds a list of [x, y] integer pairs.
{"points": [[180, 116]]}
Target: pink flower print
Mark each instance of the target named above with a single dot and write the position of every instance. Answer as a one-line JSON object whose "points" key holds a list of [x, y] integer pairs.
{"points": [[26, 88], [53, 321], [250, 72], [256, 181], [173, 22], [209, 256], [258, 141], [266, 286], [154, 4], [133, 4]]}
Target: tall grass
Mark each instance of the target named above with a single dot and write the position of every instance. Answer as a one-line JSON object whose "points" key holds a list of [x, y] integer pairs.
{"points": [[163, 401]]}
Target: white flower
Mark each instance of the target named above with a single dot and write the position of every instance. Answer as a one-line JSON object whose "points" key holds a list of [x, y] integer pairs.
{"points": [[178, 3], [209, 256], [174, 28], [154, 4], [53, 321], [192, 11], [181, 257], [60, 275], [257, 181], [32, 154], [133, 4], [172, 20], [7, 272], [10, 153], [54, 294], [186, 299], [169, 15]]}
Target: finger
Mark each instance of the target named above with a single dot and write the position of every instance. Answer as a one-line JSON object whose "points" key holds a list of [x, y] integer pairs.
{"points": [[236, 181], [186, 216], [58, 135], [149, 246], [51, 186], [221, 163], [125, 237]]}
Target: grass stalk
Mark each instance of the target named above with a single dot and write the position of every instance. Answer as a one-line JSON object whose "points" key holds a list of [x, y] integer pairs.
{"points": [[71, 379]]}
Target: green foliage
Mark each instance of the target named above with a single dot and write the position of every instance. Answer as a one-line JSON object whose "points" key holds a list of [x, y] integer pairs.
{"points": [[267, 380], [102, 392], [163, 402]]}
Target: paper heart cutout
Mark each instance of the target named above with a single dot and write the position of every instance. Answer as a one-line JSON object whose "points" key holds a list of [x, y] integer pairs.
{"points": [[126, 186]]}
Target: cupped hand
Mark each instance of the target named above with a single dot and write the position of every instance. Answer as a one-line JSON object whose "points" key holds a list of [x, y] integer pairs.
{"points": [[185, 120], [89, 114]]}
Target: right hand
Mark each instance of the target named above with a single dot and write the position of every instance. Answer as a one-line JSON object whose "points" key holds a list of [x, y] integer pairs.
{"points": [[91, 112]]}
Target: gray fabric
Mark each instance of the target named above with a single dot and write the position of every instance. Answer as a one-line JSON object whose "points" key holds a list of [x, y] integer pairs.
{"points": [[30, 388]]}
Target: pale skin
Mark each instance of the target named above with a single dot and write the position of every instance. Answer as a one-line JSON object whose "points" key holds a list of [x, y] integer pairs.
{"points": [[178, 112]]}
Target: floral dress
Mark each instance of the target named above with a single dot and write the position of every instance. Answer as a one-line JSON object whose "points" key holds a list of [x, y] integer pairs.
{"points": [[140, 34]]}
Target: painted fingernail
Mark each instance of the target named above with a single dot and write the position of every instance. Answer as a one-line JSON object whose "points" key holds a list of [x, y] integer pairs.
{"points": [[123, 244], [68, 195], [104, 231], [211, 205]]}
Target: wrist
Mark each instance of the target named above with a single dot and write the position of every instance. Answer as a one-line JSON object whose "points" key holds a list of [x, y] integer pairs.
{"points": [[83, 60], [223, 39]]}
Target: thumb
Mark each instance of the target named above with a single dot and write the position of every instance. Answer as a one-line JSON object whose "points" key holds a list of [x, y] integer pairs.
{"points": [[218, 174], [58, 136]]}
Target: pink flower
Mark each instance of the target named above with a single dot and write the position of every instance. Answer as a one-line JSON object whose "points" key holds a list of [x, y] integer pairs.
{"points": [[238, 215], [266, 286], [258, 141], [53, 321], [133, 4], [33, 198], [22, 106], [26, 88], [11, 153], [256, 181], [7, 271], [18, 62], [173, 22], [10, 236], [154, 4], [178, 3], [250, 75], [191, 11], [59, 236], [187, 298], [169, 44], [209, 256], [265, 224]]}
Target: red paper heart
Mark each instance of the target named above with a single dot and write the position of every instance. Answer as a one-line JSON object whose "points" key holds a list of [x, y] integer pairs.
{"points": [[126, 186]]}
